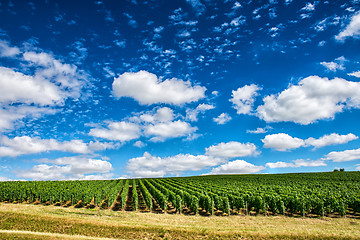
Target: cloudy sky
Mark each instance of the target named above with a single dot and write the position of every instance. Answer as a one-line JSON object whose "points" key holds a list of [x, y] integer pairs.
{"points": [[132, 88]]}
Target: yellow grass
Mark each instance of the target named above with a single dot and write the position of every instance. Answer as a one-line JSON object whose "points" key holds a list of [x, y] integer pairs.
{"points": [[136, 225]]}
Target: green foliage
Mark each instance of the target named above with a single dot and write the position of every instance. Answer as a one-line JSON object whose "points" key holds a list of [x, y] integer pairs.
{"points": [[146, 195], [60, 191], [305, 193], [135, 195]]}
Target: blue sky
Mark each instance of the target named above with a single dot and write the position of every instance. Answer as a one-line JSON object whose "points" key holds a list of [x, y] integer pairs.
{"points": [[123, 89]]}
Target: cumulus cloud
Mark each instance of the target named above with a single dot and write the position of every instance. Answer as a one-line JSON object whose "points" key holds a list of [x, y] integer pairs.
{"points": [[232, 150], [51, 83], [68, 168], [284, 142], [344, 156], [117, 131], [355, 74], [297, 163], [312, 99], [139, 144], [332, 66], [163, 114], [243, 98], [237, 167], [26, 145], [152, 166], [332, 139], [192, 114], [43, 83], [162, 131], [159, 124], [222, 118], [66, 76], [351, 30], [147, 89], [17, 87], [8, 51]]}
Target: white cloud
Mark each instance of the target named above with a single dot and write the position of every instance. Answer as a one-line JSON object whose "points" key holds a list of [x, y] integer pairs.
{"points": [[7, 51], [232, 150], [117, 131], [321, 43], [337, 64], [215, 93], [344, 156], [256, 131], [259, 130], [68, 168], [351, 30], [164, 114], [333, 66], [322, 25], [237, 167], [222, 118], [5, 179], [279, 165], [162, 131], [331, 139], [147, 89], [297, 163], [243, 98], [66, 76], [238, 21], [355, 74], [314, 98], [17, 87], [27, 145], [10, 115], [45, 82], [309, 7], [152, 166], [282, 142], [158, 115], [158, 124], [139, 144], [305, 15], [192, 114]]}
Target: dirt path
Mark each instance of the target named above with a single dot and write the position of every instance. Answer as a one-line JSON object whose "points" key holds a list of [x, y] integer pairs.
{"points": [[142, 203], [129, 200]]}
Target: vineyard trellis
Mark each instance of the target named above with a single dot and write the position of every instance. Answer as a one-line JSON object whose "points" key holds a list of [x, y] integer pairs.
{"points": [[302, 194]]}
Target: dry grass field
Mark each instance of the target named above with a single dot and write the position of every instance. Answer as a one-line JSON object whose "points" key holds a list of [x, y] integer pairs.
{"points": [[24, 221]]}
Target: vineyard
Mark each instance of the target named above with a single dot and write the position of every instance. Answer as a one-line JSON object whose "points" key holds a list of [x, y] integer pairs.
{"points": [[332, 194]]}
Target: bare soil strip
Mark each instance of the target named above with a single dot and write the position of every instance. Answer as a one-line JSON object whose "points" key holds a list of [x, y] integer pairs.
{"points": [[129, 200]]}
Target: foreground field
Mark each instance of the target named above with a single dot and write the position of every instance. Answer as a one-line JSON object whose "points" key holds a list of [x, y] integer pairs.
{"points": [[49, 222]]}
